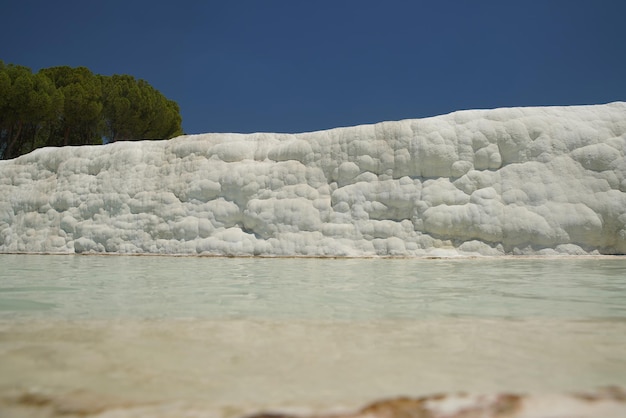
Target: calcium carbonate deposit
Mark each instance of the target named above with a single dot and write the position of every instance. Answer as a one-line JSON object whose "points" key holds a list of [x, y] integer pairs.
{"points": [[545, 180]]}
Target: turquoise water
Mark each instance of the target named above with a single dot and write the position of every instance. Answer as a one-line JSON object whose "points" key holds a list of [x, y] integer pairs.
{"points": [[233, 335], [341, 289]]}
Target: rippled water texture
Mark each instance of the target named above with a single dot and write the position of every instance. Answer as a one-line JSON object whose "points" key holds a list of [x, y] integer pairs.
{"points": [[233, 334]]}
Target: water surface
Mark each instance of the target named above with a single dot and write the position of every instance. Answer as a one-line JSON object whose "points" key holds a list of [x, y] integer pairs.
{"points": [[73, 287], [233, 333]]}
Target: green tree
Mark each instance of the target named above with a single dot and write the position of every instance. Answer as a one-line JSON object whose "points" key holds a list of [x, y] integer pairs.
{"points": [[135, 110], [29, 103], [72, 106], [44, 109], [17, 87], [81, 120]]}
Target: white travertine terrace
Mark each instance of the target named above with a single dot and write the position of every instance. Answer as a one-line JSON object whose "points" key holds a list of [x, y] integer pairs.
{"points": [[543, 180]]}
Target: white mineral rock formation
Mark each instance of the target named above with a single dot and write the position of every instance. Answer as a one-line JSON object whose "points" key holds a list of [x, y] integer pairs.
{"points": [[545, 180]]}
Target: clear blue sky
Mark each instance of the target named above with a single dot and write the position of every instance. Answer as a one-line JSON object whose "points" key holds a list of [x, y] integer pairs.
{"points": [[293, 66]]}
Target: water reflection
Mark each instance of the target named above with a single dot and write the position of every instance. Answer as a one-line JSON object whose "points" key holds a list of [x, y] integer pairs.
{"points": [[176, 287], [232, 331]]}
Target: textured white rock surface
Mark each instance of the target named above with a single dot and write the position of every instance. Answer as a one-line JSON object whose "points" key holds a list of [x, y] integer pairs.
{"points": [[544, 180]]}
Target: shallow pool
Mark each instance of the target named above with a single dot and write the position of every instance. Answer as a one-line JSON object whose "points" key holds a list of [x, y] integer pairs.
{"points": [[230, 335]]}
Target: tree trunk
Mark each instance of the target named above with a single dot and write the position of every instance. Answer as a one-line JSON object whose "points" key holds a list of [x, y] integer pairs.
{"points": [[66, 136], [12, 141]]}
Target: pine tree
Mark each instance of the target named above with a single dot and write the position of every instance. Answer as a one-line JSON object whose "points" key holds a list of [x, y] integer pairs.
{"points": [[72, 106]]}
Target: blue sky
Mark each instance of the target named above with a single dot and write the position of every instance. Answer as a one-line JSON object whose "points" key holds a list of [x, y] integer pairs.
{"points": [[293, 66]]}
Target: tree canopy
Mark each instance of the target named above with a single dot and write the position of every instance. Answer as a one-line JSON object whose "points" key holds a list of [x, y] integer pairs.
{"points": [[60, 106]]}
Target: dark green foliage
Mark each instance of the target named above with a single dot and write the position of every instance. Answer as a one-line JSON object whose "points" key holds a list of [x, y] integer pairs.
{"points": [[82, 105], [29, 104], [134, 109], [72, 106]]}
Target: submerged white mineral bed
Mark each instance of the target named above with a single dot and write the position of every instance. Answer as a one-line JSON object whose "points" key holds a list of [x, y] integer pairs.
{"points": [[230, 369], [225, 337]]}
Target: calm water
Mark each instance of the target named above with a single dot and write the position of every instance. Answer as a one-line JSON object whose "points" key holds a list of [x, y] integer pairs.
{"points": [[233, 333], [73, 287]]}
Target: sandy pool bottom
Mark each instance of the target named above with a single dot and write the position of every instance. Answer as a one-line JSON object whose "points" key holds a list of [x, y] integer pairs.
{"points": [[230, 368]]}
